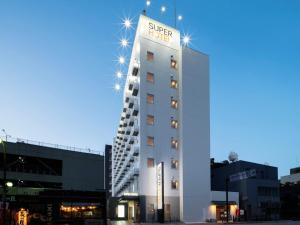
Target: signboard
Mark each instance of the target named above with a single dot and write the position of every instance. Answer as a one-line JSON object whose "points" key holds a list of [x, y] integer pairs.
{"points": [[158, 32], [160, 185], [242, 175]]}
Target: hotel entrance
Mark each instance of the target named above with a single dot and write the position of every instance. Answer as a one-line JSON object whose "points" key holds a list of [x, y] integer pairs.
{"points": [[126, 208]]}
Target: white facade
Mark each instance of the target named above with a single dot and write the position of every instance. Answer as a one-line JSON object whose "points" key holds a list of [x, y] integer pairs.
{"points": [[165, 119]]}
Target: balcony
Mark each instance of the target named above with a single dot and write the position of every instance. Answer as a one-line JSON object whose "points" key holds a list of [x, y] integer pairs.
{"points": [[135, 90], [128, 131], [128, 114], [135, 131], [135, 69], [131, 122], [136, 171], [135, 109], [131, 141], [136, 151], [130, 103]]}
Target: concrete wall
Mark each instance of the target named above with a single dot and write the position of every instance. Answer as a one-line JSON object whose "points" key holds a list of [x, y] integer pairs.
{"points": [[80, 171], [194, 136]]}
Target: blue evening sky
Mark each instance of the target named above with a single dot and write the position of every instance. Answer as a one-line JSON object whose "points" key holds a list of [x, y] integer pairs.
{"points": [[57, 65]]}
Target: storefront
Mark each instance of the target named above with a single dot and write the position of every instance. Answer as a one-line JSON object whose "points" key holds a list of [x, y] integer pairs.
{"points": [[57, 207]]}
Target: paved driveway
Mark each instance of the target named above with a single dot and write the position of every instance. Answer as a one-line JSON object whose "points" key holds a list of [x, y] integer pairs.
{"points": [[254, 223]]}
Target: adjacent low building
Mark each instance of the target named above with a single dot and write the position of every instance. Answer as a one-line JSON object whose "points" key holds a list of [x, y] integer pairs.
{"points": [[258, 194], [290, 195], [53, 183]]}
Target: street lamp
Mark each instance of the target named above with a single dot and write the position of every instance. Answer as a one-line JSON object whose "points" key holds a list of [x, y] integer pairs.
{"points": [[9, 184]]}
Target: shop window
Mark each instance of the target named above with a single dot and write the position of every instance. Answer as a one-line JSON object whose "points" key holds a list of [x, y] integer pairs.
{"points": [[150, 141], [150, 99], [150, 56], [150, 77], [150, 120], [150, 162]]}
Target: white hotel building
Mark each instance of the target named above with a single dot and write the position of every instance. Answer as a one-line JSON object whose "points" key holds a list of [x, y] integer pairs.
{"points": [[165, 119]]}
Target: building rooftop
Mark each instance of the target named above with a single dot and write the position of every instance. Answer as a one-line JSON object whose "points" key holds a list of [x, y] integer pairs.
{"points": [[50, 145]]}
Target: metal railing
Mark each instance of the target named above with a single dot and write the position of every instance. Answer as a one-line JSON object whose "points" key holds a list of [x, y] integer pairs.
{"points": [[49, 145]]}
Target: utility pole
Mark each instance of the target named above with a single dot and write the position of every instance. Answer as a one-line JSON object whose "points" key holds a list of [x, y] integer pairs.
{"points": [[227, 202]]}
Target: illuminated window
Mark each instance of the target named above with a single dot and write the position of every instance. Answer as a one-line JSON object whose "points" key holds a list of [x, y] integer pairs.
{"points": [[150, 141], [174, 83], [174, 143], [150, 120], [174, 123], [150, 56], [173, 63], [121, 211], [174, 103], [150, 77], [150, 162], [150, 99], [174, 184], [174, 164]]}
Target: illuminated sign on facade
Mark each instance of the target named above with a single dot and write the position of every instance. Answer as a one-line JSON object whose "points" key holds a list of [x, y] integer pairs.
{"points": [[159, 32], [160, 185]]}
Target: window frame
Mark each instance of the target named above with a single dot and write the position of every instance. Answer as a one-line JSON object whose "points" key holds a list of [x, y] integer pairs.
{"points": [[149, 117], [148, 139], [150, 96], [150, 56], [150, 74]]}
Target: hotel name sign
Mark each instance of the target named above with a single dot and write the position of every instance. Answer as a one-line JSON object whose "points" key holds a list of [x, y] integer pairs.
{"points": [[159, 32]]}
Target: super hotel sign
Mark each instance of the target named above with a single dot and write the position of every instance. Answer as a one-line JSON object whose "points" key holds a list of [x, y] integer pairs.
{"points": [[159, 32]]}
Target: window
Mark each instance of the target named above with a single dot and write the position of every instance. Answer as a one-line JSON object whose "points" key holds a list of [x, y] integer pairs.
{"points": [[174, 103], [150, 99], [150, 77], [150, 141], [174, 164], [173, 63], [174, 123], [174, 143], [150, 162], [150, 56], [174, 83], [150, 120], [174, 184]]}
